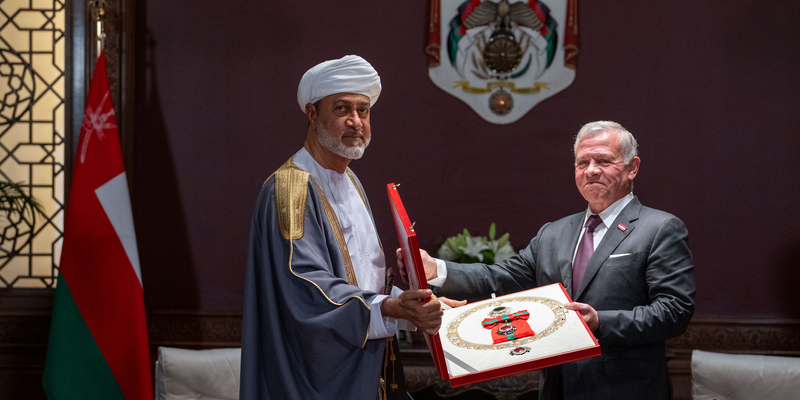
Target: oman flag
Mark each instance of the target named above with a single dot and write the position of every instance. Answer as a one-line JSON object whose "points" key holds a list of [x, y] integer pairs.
{"points": [[98, 345]]}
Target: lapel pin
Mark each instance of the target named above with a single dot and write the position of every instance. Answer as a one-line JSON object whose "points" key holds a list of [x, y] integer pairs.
{"points": [[622, 227]]}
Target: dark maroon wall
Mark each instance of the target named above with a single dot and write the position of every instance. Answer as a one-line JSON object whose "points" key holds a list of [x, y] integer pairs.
{"points": [[710, 89]]}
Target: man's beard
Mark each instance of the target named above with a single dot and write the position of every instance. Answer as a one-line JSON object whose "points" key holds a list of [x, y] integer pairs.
{"points": [[337, 146]]}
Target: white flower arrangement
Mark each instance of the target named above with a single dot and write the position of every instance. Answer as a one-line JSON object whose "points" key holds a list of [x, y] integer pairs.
{"points": [[465, 248]]}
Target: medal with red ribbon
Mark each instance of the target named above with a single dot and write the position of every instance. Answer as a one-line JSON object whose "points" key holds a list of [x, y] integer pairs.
{"points": [[509, 326]]}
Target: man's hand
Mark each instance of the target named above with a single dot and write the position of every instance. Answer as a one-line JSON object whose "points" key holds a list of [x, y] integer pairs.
{"points": [[410, 305], [589, 314], [452, 303], [427, 262]]}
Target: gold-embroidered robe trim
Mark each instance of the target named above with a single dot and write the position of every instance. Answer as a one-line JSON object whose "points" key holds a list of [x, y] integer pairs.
{"points": [[291, 193], [363, 198], [356, 185], [337, 231]]}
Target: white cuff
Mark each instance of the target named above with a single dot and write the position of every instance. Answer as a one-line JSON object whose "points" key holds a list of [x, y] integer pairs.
{"points": [[441, 274], [380, 327]]}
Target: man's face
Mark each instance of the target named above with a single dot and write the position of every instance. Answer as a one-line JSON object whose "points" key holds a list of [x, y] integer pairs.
{"points": [[343, 124], [600, 171]]}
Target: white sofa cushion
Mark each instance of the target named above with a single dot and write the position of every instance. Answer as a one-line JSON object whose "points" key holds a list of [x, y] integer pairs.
{"points": [[197, 374], [717, 376]]}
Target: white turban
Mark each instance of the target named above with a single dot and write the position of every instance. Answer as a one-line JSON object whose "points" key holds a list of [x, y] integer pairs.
{"points": [[349, 74]]}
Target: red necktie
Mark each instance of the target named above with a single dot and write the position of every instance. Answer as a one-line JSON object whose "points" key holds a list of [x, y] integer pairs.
{"points": [[585, 250]]}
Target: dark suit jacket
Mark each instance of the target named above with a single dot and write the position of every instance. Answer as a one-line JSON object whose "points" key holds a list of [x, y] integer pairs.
{"points": [[640, 280]]}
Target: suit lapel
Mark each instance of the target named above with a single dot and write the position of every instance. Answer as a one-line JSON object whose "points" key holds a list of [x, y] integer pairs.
{"points": [[611, 240], [565, 254]]}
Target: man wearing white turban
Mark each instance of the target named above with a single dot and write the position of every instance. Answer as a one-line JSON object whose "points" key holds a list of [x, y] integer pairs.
{"points": [[320, 313]]}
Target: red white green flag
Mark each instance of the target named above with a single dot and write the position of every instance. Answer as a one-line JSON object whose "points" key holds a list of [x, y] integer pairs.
{"points": [[98, 346]]}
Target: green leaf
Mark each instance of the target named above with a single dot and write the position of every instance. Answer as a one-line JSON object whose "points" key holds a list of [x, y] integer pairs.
{"points": [[452, 243], [462, 240], [476, 246], [503, 240], [488, 257], [14, 199]]}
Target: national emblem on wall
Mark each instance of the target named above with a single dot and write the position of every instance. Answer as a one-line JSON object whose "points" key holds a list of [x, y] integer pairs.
{"points": [[502, 57]]}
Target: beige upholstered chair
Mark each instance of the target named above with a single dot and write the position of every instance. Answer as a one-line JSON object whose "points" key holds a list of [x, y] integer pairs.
{"points": [[197, 374], [717, 376]]}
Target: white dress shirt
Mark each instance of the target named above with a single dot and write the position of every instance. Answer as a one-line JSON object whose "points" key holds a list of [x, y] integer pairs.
{"points": [[366, 254], [608, 216]]}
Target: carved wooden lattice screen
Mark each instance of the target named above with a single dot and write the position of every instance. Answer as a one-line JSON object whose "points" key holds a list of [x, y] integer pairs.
{"points": [[33, 136]]}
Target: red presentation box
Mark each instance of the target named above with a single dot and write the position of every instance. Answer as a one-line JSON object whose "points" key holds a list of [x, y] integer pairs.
{"points": [[464, 351]]}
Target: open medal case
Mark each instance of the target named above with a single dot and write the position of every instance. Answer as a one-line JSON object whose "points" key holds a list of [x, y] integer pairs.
{"points": [[500, 336]]}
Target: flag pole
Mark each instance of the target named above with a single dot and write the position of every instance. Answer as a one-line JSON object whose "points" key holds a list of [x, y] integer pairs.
{"points": [[99, 12]]}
